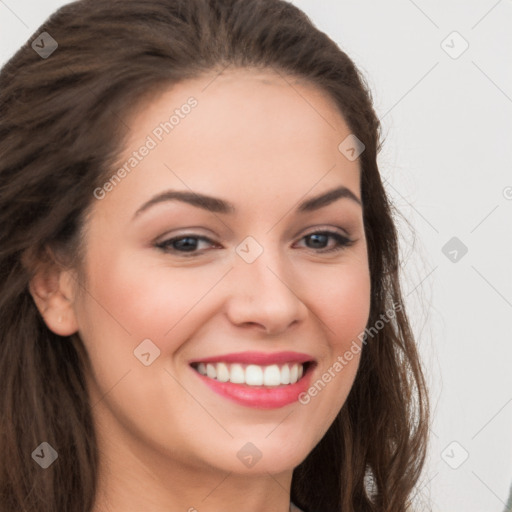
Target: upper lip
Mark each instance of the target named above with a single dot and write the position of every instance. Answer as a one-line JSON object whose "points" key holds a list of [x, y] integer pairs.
{"points": [[259, 358]]}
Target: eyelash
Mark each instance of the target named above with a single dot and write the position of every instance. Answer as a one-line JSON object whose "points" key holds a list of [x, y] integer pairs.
{"points": [[341, 243]]}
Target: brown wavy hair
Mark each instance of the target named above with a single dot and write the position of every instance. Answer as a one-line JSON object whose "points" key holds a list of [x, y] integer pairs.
{"points": [[63, 121]]}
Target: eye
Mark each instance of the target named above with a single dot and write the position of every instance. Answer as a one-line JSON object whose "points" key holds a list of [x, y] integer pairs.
{"points": [[183, 244], [321, 237], [188, 245]]}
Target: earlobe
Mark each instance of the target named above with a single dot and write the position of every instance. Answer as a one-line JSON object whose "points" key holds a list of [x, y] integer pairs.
{"points": [[53, 291]]}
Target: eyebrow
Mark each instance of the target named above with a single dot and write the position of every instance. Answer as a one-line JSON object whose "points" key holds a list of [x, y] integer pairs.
{"points": [[216, 205]]}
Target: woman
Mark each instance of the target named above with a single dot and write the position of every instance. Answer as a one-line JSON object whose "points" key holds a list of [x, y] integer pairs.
{"points": [[200, 302]]}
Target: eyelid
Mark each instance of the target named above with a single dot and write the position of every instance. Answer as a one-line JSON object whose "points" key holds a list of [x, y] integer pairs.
{"points": [[195, 231], [330, 228]]}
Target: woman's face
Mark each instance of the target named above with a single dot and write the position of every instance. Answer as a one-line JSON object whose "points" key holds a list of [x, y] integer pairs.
{"points": [[238, 283]]}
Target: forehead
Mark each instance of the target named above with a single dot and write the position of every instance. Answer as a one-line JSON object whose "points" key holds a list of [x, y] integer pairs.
{"points": [[249, 131], [242, 105]]}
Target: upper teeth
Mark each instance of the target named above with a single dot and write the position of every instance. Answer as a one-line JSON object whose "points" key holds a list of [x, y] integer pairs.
{"points": [[252, 374]]}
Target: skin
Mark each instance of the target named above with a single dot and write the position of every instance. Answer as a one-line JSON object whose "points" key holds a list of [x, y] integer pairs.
{"points": [[167, 442]]}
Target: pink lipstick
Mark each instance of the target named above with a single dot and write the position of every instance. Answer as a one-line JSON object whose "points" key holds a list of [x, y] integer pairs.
{"points": [[257, 379]]}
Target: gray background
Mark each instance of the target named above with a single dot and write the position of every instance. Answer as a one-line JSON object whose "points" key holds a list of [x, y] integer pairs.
{"points": [[447, 121]]}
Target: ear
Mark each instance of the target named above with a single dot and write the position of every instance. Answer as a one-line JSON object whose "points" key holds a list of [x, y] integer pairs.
{"points": [[53, 289]]}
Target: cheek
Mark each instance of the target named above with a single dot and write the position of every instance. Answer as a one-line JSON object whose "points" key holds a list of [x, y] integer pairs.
{"points": [[131, 301], [343, 304]]}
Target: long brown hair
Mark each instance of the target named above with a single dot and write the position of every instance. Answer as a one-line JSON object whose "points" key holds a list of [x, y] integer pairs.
{"points": [[63, 120]]}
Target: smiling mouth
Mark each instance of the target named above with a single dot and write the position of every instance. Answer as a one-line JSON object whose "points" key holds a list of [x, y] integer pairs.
{"points": [[253, 375]]}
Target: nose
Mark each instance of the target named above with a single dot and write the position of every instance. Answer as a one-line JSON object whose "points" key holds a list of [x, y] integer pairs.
{"points": [[263, 295]]}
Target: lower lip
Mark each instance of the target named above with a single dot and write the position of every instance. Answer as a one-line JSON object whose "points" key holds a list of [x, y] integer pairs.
{"points": [[260, 397]]}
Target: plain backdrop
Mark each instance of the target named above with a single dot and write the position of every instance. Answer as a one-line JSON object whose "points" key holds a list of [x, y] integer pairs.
{"points": [[441, 78]]}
